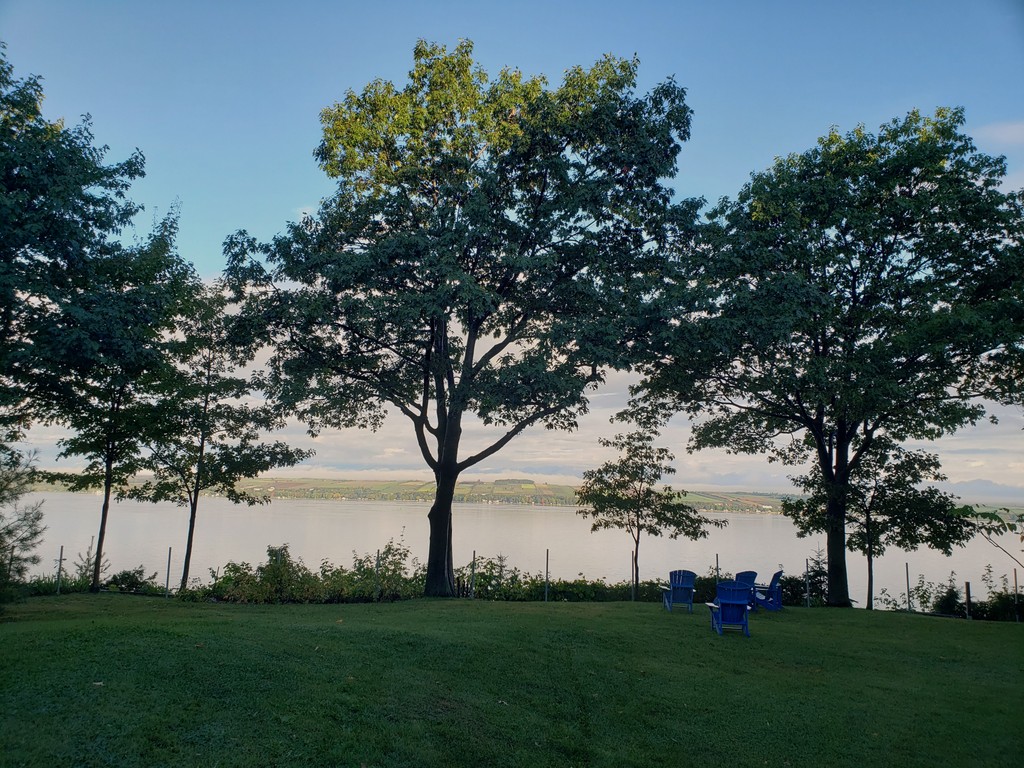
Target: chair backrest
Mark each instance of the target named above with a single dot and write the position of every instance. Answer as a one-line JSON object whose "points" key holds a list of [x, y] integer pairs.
{"points": [[775, 581], [732, 598], [732, 592], [747, 577], [682, 578]]}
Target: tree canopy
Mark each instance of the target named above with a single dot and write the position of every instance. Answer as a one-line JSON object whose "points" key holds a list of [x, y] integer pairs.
{"points": [[485, 253], [60, 208], [862, 289]]}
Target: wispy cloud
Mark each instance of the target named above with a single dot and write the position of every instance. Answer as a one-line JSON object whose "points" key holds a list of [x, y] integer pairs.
{"points": [[1003, 134]]}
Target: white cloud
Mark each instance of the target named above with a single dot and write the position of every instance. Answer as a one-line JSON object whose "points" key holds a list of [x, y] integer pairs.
{"points": [[1005, 134]]}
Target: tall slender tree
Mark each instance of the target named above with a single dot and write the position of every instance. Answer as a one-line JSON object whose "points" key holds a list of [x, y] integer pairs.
{"points": [[627, 493], [205, 420], [487, 253], [861, 290], [106, 352]]}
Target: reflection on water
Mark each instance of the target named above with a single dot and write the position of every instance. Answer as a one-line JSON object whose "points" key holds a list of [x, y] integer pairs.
{"points": [[140, 533]]}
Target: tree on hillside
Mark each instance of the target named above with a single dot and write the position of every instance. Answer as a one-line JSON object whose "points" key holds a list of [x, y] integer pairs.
{"points": [[886, 505], [106, 352], [204, 420], [60, 208], [624, 493], [486, 252], [851, 293]]}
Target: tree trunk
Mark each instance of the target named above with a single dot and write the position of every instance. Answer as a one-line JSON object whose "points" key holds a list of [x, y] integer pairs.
{"points": [[835, 547], [440, 571], [833, 458], [188, 541], [194, 498], [871, 583], [108, 484], [870, 603], [636, 568]]}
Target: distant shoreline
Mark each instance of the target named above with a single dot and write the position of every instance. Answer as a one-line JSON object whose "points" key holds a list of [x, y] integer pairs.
{"points": [[522, 491]]}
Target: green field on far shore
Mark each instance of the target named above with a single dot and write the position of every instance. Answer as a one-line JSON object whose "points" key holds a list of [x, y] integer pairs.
{"points": [[503, 491]]}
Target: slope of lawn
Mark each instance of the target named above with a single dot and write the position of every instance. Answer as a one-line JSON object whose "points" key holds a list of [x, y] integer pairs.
{"points": [[116, 680]]}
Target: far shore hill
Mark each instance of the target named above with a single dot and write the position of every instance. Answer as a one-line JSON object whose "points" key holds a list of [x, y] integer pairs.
{"points": [[522, 491], [502, 491]]}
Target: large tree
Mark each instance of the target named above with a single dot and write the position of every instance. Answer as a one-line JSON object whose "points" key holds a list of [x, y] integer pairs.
{"points": [[60, 208], [487, 246], [852, 292], [105, 354], [888, 503], [204, 420]]}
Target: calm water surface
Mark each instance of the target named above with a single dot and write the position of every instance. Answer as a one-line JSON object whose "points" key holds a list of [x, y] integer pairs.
{"points": [[141, 533]]}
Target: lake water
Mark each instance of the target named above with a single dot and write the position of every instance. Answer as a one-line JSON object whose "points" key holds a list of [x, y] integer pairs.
{"points": [[140, 533]]}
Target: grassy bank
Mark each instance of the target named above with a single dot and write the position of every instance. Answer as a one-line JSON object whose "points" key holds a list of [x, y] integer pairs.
{"points": [[117, 680]]}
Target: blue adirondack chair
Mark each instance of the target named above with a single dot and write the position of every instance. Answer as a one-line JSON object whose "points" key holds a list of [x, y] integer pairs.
{"points": [[769, 595], [749, 578], [730, 608], [679, 590]]}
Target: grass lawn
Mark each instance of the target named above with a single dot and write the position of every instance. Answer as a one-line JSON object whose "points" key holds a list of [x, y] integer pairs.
{"points": [[116, 680]]}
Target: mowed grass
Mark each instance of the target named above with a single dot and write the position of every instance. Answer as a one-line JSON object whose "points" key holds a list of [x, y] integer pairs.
{"points": [[114, 680]]}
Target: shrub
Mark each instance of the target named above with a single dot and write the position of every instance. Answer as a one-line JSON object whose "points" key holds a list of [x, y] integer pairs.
{"points": [[133, 581], [949, 601], [1002, 604], [389, 574]]}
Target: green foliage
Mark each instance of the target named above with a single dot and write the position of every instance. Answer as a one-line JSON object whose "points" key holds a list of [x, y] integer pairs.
{"points": [[624, 494], [1001, 603], [885, 505], [494, 579], [488, 251], [47, 585], [61, 209], [793, 590], [134, 581], [391, 574], [850, 293], [813, 583], [204, 431], [21, 525], [106, 352], [85, 564], [950, 602], [924, 596]]}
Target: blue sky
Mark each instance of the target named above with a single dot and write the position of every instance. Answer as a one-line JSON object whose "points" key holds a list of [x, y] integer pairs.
{"points": [[223, 98]]}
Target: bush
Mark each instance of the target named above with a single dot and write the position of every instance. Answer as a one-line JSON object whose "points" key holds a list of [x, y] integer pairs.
{"points": [[949, 602], [387, 575], [1002, 603], [134, 582], [947, 599]]}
